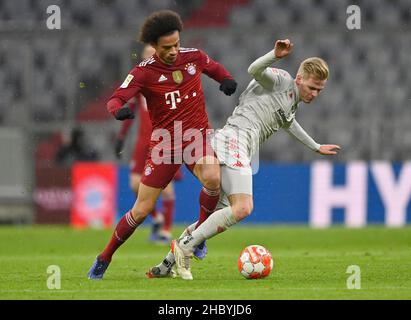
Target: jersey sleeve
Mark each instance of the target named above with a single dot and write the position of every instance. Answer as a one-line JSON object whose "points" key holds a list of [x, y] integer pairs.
{"points": [[128, 89], [213, 69], [268, 78], [299, 133], [126, 124]]}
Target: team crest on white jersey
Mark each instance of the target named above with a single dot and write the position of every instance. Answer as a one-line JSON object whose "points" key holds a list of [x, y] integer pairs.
{"points": [[191, 68]]}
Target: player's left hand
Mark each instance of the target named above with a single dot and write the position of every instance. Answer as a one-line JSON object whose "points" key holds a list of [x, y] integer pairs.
{"points": [[124, 113], [329, 149], [228, 86], [283, 48]]}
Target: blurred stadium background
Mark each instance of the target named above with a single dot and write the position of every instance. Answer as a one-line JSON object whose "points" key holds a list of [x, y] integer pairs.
{"points": [[53, 81]]}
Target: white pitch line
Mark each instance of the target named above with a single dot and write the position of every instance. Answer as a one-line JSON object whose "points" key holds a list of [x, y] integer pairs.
{"points": [[204, 290]]}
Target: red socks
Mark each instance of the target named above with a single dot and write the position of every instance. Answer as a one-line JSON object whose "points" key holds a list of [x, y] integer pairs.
{"points": [[127, 225], [123, 231], [208, 202], [168, 211]]}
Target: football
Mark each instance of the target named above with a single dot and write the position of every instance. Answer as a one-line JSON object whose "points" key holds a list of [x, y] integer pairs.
{"points": [[255, 262]]}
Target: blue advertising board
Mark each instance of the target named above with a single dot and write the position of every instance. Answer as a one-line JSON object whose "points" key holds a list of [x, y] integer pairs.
{"points": [[319, 194]]}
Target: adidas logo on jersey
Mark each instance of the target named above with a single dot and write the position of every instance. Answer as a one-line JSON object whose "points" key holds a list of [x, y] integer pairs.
{"points": [[162, 78]]}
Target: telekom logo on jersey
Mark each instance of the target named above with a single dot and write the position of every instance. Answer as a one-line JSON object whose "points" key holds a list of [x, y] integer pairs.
{"points": [[173, 98], [356, 194]]}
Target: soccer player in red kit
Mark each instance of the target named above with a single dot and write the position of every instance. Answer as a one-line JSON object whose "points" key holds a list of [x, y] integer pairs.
{"points": [[170, 81], [161, 221]]}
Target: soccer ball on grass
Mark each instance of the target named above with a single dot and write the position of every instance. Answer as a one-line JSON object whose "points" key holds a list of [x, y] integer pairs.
{"points": [[255, 262]]}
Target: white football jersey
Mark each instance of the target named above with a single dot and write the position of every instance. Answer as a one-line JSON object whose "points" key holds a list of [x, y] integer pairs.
{"points": [[268, 104]]}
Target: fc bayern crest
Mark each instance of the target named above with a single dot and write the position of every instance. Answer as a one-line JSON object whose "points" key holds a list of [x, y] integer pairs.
{"points": [[191, 68], [148, 170]]}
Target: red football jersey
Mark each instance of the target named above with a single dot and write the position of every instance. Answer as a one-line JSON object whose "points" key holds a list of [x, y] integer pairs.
{"points": [[173, 92]]}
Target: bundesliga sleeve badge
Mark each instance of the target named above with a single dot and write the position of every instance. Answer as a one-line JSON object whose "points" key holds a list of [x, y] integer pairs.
{"points": [[127, 81]]}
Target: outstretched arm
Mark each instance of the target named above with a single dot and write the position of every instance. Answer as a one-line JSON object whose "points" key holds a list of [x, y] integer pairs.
{"points": [[260, 70], [299, 133], [217, 72]]}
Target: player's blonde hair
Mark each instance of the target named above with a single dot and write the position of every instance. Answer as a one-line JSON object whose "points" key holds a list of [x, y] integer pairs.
{"points": [[314, 67]]}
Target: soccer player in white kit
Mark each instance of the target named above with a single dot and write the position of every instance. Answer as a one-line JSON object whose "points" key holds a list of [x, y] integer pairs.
{"points": [[269, 103]]}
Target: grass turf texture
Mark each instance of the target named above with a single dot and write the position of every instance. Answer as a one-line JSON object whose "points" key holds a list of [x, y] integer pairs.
{"points": [[308, 264]]}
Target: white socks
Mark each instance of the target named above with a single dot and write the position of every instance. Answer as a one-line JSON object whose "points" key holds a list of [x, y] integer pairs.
{"points": [[216, 223]]}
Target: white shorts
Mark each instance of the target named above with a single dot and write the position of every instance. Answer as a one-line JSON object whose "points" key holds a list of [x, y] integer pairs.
{"points": [[236, 174], [233, 182], [231, 147]]}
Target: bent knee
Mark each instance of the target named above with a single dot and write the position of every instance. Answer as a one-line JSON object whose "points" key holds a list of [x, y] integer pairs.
{"points": [[211, 179], [140, 211], [243, 210]]}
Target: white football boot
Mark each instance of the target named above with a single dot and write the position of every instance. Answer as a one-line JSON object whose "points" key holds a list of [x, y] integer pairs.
{"points": [[183, 262]]}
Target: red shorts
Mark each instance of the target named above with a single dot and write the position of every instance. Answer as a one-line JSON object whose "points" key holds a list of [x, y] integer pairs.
{"points": [[159, 175], [140, 155], [139, 158]]}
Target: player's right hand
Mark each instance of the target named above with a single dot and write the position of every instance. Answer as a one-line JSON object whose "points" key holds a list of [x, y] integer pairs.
{"points": [[329, 149], [118, 149], [282, 48], [124, 113], [228, 86]]}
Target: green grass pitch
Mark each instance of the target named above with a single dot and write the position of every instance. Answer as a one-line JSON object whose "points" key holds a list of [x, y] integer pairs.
{"points": [[308, 264]]}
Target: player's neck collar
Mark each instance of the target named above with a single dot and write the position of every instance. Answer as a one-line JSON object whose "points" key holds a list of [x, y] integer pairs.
{"points": [[158, 59], [297, 92]]}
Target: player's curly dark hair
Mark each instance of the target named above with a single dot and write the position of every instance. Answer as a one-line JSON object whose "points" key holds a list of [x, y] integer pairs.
{"points": [[158, 24]]}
